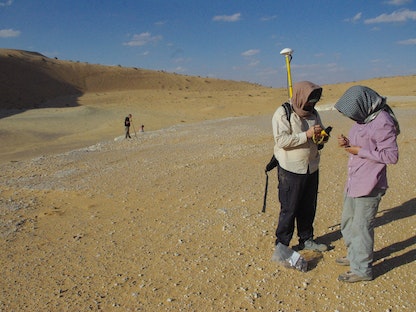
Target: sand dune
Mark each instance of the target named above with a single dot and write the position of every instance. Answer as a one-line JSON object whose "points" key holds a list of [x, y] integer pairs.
{"points": [[171, 219], [85, 103]]}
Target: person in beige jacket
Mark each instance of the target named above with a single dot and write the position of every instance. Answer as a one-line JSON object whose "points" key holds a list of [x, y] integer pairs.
{"points": [[298, 165]]}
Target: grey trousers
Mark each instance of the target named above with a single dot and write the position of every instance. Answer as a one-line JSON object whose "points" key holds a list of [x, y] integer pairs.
{"points": [[357, 228]]}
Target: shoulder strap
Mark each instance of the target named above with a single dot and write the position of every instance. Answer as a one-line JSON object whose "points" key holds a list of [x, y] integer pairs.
{"points": [[288, 110]]}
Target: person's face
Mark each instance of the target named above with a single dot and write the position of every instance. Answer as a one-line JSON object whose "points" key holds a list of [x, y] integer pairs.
{"points": [[309, 106]]}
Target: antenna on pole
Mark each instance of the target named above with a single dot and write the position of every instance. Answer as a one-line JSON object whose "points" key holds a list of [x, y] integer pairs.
{"points": [[287, 52]]}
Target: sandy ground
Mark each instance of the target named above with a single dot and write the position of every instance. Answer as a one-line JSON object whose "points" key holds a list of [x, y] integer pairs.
{"points": [[171, 221]]}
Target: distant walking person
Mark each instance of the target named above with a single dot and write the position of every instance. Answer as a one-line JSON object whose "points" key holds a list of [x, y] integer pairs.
{"points": [[371, 145], [127, 123]]}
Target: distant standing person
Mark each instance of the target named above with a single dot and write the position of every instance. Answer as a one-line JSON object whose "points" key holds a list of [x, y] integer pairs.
{"points": [[127, 123], [371, 145]]}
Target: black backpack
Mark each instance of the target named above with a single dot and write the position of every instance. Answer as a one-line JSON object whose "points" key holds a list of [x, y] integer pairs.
{"points": [[273, 161]]}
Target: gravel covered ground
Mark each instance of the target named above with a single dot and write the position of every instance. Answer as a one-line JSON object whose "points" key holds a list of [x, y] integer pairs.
{"points": [[171, 221]]}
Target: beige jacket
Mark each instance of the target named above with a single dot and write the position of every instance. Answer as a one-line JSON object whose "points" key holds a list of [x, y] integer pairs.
{"points": [[294, 151]]}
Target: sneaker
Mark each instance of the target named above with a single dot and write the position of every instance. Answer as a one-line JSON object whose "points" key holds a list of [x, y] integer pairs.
{"points": [[342, 261], [350, 277], [310, 244]]}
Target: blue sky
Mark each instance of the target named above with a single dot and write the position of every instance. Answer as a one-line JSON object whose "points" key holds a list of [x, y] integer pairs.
{"points": [[333, 40]]}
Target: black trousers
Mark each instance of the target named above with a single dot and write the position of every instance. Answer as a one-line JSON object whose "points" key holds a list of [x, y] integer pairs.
{"points": [[298, 198]]}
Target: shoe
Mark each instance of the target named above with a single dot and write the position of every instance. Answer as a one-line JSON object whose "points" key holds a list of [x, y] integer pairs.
{"points": [[289, 258], [342, 261], [310, 244], [350, 277]]}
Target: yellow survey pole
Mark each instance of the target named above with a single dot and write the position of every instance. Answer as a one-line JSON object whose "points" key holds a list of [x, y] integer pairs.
{"points": [[287, 52], [289, 76]]}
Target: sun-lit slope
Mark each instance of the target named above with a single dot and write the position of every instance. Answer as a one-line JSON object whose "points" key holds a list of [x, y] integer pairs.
{"points": [[84, 103], [29, 79]]}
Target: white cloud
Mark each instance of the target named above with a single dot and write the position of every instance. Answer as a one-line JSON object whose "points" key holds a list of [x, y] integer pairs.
{"points": [[6, 3], [250, 52], [357, 17], [160, 23], [268, 72], [180, 69], [227, 18], [333, 68], [7, 33], [268, 18], [142, 39], [408, 41], [396, 16], [354, 19], [398, 2]]}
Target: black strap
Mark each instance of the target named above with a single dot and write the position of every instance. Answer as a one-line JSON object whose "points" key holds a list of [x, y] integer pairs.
{"points": [[288, 110], [265, 193], [273, 162]]}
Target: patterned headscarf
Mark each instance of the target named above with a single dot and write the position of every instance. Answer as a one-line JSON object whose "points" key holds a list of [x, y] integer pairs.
{"points": [[363, 104], [303, 92]]}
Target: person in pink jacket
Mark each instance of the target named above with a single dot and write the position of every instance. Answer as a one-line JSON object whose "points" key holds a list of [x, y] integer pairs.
{"points": [[371, 145]]}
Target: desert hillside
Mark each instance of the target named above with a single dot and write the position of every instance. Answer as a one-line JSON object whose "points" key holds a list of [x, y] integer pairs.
{"points": [[171, 219], [30, 79], [86, 103]]}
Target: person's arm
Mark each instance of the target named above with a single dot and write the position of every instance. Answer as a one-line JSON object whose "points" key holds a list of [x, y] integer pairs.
{"points": [[383, 133], [282, 131], [343, 141], [384, 136]]}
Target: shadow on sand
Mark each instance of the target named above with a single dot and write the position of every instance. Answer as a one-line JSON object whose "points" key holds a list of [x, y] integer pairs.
{"points": [[406, 210], [35, 81]]}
